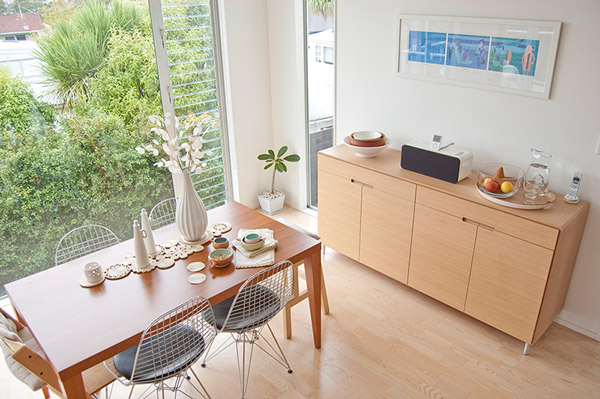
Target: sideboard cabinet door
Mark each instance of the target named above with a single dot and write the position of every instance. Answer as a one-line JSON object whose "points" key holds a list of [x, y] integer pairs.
{"points": [[339, 213], [386, 228], [508, 279], [440, 260]]}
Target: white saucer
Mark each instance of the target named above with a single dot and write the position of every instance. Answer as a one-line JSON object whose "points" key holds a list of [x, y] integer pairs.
{"points": [[196, 278], [196, 266], [86, 284]]}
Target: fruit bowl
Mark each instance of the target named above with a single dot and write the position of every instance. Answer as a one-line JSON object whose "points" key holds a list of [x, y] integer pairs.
{"points": [[499, 180]]}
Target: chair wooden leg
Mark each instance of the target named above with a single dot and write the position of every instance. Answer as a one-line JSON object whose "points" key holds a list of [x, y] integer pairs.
{"points": [[287, 322], [46, 392], [325, 301]]}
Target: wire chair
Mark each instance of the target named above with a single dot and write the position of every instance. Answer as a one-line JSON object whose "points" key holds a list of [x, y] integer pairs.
{"points": [[169, 347], [82, 241], [163, 213], [245, 315]]}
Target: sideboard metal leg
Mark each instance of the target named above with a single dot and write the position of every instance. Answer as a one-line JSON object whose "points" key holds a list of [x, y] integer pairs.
{"points": [[526, 349], [323, 248]]}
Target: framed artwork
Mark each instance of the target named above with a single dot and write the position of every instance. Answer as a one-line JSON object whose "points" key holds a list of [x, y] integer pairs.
{"points": [[513, 56]]}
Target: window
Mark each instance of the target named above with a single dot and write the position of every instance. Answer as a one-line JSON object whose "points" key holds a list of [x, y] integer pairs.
{"points": [[10, 38], [318, 53], [189, 65], [21, 37], [68, 158], [328, 55]]}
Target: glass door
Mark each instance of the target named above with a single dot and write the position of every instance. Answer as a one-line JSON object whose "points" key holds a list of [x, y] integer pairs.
{"points": [[320, 79]]}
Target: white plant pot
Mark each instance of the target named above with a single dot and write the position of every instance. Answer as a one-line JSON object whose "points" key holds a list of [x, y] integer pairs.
{"points": [[190, 214], [271, 203]]}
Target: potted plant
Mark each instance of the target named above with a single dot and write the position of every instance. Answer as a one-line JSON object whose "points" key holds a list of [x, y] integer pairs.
{"points": [[271, 201]]}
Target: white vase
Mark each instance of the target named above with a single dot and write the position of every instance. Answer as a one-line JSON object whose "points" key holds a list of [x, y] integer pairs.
{"points": [[190, 214]]}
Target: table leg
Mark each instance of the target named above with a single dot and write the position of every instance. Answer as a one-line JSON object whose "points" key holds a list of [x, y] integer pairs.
{"points": [[74, 388], [312, 266]]}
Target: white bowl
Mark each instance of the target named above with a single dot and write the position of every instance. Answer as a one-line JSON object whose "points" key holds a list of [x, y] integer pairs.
{"points": [[367, 135], [366, 152]]}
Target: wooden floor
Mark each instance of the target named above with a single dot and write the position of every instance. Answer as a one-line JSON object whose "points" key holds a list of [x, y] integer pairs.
{"points": [[385, 340]]}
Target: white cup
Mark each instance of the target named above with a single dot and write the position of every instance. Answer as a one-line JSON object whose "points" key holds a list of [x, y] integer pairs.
{"points": [[93, 272]]}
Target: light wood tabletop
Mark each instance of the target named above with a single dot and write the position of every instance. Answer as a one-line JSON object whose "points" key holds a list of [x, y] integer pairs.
{"points": [[78, 328]]}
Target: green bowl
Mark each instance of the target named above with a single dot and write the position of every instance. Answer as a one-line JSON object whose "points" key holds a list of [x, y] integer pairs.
{"points": [[254, 246]]}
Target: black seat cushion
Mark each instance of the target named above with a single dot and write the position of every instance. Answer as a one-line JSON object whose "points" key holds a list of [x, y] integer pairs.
{"points": [[263, 302], [180, 346]]}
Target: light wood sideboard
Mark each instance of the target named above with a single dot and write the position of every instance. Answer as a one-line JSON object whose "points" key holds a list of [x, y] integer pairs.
{"points": [[507, 267]]}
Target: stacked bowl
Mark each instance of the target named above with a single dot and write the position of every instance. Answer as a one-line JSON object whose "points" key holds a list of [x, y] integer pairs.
{"points": [[367, 143]]}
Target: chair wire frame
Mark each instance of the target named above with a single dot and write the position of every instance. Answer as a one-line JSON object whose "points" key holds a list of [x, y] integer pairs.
{"points": [[82, 241], [163, 213], [169, 347], [258, 300]]}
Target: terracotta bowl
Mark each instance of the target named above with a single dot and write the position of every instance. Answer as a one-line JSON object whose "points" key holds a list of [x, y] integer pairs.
{"points": [[220, 242], [221, 257], [367, 138]]}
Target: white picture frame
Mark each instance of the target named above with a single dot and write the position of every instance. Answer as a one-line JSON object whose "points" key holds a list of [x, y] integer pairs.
{"points": [[511, 56]]}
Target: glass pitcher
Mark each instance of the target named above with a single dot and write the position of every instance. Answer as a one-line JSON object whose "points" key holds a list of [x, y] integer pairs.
{"points": [[537, 176]]}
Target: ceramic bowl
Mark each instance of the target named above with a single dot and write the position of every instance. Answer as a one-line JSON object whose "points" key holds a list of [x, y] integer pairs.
{"points": [[220, 242], [251, 238], [367, 138], [221, 257], [366, 152], [512, 174], [253, 246]]}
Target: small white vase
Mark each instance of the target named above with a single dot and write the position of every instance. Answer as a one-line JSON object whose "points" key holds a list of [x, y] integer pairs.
{"points": [[147, 228], [190, 214], [139, 248]]}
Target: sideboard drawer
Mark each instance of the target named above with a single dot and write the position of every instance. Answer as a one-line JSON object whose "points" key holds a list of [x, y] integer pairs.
{"points": [[515, 226], [391, 185]]}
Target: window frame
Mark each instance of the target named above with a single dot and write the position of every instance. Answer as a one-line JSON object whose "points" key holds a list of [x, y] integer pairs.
{"points": [[164, 79]]}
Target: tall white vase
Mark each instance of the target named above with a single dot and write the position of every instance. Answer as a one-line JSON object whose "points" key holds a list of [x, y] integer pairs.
{"points": [[190, 215]]}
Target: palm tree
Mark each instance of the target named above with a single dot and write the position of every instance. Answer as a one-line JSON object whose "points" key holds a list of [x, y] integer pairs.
{"points": [[322, 7], [73, 50]]}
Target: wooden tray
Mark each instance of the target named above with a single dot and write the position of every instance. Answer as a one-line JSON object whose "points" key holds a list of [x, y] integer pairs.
{"points": [[517, 200]]}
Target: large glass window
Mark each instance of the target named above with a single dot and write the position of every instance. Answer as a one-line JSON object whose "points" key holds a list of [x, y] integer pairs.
{"points": [[320, 76], [67, 145]]}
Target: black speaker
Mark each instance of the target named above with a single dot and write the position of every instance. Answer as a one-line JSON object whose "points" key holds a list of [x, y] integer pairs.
{"points": [[447, 165]]}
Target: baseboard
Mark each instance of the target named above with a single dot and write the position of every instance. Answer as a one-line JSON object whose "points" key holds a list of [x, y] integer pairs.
{"points": [[582, 330]]}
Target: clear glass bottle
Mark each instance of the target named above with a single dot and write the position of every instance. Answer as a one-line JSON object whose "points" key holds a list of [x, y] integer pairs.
{"points": [[537, 176]]}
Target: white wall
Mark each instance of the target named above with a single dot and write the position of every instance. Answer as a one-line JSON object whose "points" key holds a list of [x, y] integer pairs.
{"points": [[494, 126], [286, 44], [264, 76], [245, 42]]}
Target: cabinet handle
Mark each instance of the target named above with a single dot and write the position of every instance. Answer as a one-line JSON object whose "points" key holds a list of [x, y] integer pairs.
{"points": [[490, 228], [361, 183], [474, 223]]}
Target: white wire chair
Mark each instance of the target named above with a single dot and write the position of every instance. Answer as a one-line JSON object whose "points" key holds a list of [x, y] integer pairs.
{"points": [[169, 347], [163, 213], [82, 241], [245, 315]]}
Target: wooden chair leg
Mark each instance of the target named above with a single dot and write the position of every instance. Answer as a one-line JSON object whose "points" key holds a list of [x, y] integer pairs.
{"points": [[287, 322], [325, 300], [46, 392]]}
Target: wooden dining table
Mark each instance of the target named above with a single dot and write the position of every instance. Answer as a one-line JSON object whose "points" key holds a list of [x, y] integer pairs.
{"points": [[77, 327]]}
